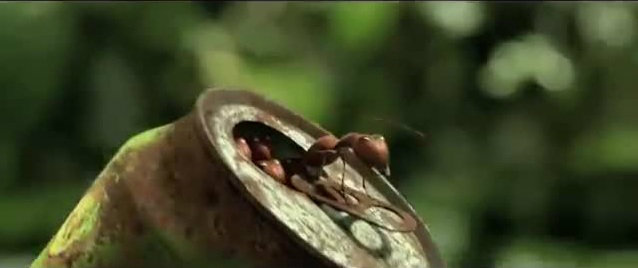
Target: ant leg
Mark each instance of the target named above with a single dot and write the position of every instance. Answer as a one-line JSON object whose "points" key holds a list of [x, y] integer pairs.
{"points": [[363, 181], [343, 183], [323, 163]]}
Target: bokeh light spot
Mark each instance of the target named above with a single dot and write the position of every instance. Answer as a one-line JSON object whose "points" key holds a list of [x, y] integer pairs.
{"points": [[458, 19], [531, 58], [611, 24]]}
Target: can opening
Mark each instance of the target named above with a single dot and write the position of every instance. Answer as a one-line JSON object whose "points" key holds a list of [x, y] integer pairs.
{"points": [[281, 146]]}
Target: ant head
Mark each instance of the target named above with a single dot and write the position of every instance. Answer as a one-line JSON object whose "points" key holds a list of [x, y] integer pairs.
{"points": [[262, 163], [373, 150], [273, 168], [260, 150], [265, 140], [375, 140]]}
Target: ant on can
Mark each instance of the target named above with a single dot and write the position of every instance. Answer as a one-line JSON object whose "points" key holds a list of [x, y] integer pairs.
{"points": [[371, 149]]}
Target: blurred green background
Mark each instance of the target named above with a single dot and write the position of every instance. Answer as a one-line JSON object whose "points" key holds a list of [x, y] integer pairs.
{"points": [[530, 109]]}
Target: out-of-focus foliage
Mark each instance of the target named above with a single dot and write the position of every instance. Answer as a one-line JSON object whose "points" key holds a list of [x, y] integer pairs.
{"points": [[530, 109]]}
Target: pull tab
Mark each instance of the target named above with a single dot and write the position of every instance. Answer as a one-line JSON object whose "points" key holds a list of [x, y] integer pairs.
{"points": [[329, 193], [365, 201]]}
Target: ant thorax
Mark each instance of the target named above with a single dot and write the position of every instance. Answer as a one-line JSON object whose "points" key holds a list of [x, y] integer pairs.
{"points": [[314, 172]]}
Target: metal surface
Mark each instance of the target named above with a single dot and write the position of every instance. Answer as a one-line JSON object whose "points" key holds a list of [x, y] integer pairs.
{"points": [[327, 233], [355, 208]]}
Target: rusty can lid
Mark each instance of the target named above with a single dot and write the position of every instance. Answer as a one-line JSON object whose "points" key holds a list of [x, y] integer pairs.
{"points": [[329, 233]]}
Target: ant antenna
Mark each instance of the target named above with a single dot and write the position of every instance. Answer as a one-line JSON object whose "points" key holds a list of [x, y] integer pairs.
{"points": [[400, 125]]}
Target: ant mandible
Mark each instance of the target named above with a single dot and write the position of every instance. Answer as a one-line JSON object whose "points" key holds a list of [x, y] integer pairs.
{"points": [[371, 149]]}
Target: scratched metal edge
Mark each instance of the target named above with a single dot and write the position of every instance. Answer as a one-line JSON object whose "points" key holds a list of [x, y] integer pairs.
{"points": [[388, 190], [206, 134], [260, 101], [341, 257], [227, 116], [395, 197], [310, 238]]}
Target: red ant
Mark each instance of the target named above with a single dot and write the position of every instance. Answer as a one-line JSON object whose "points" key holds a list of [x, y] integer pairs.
{"points": [[371, 149], [259, 150]]}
